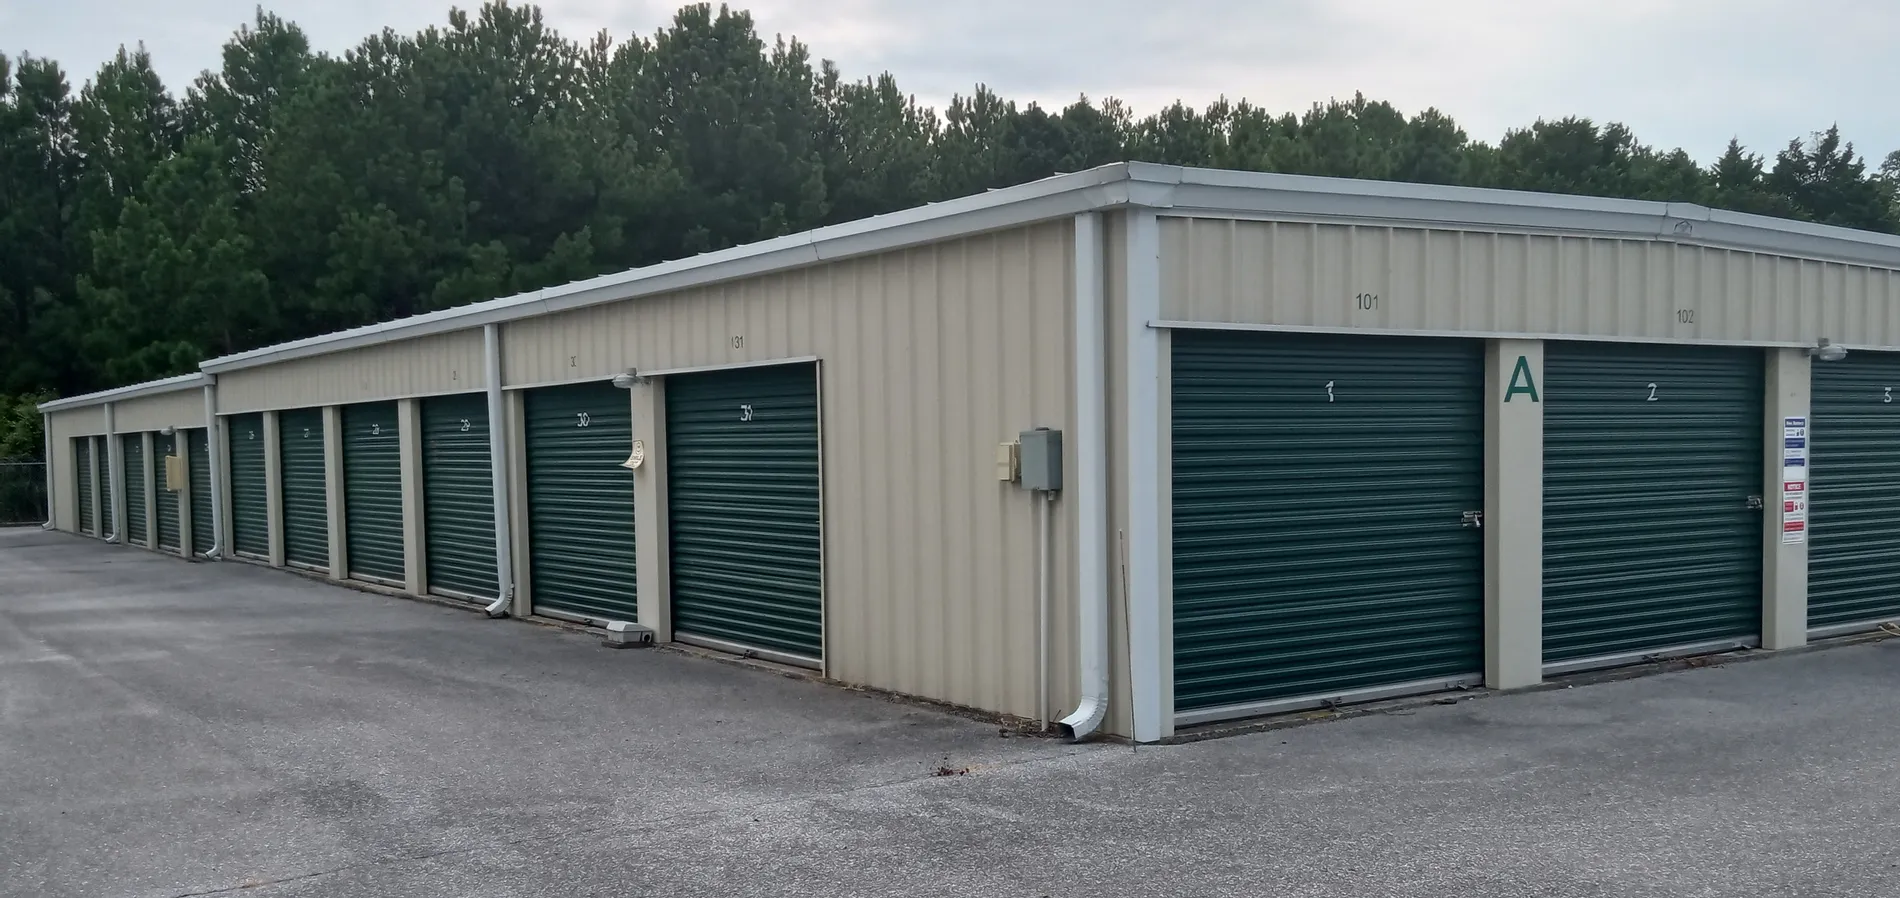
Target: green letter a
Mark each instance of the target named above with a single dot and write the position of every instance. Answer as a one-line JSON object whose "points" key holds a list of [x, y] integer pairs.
{"points": [[1521, 381]]}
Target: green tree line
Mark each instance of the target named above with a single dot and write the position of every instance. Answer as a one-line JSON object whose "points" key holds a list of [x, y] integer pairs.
{"points": [[290, 192]]}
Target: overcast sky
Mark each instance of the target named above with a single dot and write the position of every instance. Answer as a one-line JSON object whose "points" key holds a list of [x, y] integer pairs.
{"points": [[1689, 73]]}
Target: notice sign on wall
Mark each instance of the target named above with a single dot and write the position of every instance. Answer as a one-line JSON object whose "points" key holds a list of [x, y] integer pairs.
{"points": [[1794, 480]]}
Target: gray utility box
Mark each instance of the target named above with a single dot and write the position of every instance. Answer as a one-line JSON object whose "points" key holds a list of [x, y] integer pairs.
{"points": [[1041, 459]]}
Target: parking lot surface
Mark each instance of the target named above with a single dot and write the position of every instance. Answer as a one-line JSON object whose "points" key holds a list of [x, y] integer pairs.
{"points": [[175, 729]]}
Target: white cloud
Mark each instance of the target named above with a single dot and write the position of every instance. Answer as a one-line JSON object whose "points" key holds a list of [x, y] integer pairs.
{"points": [[1686, 73]]}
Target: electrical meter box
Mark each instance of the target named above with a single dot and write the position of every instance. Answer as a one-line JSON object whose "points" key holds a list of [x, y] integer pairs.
{"points": [[1040, 459]]}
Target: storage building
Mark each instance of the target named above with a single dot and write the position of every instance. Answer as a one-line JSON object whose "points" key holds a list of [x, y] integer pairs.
{"points": [[1140, 448]]}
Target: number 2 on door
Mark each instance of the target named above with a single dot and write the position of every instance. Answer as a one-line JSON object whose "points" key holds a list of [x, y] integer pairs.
{"points": [[1652, 393]]}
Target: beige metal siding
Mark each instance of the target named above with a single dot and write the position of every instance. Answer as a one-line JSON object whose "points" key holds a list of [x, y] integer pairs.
{"points": [[185, 408], [445, 363], [931, 357], [1270, 273], [64, 426]]}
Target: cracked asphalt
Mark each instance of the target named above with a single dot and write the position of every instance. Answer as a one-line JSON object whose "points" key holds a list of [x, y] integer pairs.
{"points": [[172, 729]]}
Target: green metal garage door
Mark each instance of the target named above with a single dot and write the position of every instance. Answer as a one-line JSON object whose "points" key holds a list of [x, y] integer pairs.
{"points": [[1652, 494], [458, 499], [306, 496], [132, 455], [166, 499], [743, 509], [1854, 555], [580, 501], [1321, 541], [198, 447], [250, 491], [82, 476], [372, 492]]}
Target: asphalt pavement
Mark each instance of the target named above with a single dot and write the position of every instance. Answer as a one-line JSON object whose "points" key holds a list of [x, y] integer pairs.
{"points": [[172, 729]]}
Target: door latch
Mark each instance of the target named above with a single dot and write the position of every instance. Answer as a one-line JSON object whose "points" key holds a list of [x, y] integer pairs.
{"points": [[1474, 519], [1754, 503]]}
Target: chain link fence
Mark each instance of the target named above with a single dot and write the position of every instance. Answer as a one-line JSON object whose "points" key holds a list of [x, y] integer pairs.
{"points": [[22, 491]]}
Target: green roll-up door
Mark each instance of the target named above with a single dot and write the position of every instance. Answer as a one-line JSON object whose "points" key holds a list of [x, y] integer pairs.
{"points": [[203, 527], [580, 501], [372, 492], [138, 528], [458, 499], [82, 476], [1854, 525], [743, 508], [1321, 540], [166, 499], [1652, 494], [306, 494], [250, 489]]}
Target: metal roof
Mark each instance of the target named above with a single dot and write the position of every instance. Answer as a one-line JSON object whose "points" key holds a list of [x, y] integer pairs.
{"points": [[1169, 189], [190, 381]]}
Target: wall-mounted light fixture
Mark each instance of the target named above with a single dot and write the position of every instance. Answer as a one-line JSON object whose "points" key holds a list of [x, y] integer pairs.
{"points": [[629, 380], [1826, 351], [168, 431]]}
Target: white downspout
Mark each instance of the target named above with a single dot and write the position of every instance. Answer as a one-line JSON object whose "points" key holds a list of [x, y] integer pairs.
{"points": [[214, 443], [1089, 491], [112, 475], [498, 475], [46, 430]]}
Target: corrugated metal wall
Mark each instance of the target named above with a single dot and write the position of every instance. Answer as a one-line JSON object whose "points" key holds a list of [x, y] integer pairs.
{"points": [[445, 363], [1338, 276], [65, 425], [185, 408], [931, 357]]}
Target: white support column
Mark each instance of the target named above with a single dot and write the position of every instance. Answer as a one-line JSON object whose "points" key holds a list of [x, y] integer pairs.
{"points": [[515, 429], [273, 489], [1784, 570], [1513, 513], [415, 560], [218, 447], [150, 499], [333, 492], [1150, 655], [115, 529], [650, 510]]}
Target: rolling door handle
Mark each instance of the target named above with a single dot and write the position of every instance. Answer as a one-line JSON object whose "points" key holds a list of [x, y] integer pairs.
{"points": [[1754, 503], [1472, 519]]}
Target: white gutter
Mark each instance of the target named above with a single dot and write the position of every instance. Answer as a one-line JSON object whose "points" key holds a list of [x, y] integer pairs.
{"points": [[214, 441], [46, 431], [112, 477], [1089, 489], [498, 475]]}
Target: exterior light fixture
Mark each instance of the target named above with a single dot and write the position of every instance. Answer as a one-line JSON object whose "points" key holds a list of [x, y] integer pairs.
{"points": [[168, 431], [628, 380], [1826, 351]]}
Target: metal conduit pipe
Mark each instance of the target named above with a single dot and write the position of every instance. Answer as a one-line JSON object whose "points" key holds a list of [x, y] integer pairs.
{"points": [[498, 475], [214, 440], [1089, 489], [113, 484]]}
